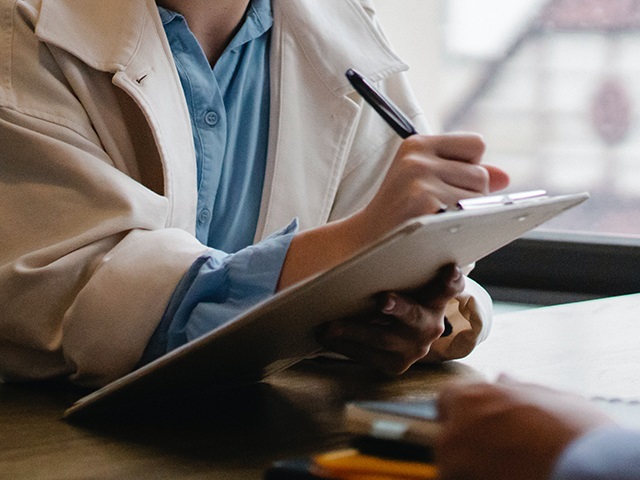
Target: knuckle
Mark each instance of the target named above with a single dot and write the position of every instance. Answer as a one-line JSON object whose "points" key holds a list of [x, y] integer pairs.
{"points": [[482, 176], [477, 143], [435, 331], [417, 142], [423, 199], [417, 167], [473, 141], [422, 350]]}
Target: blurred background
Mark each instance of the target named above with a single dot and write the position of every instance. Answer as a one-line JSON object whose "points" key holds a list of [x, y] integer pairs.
{"points": [[552, 85]]}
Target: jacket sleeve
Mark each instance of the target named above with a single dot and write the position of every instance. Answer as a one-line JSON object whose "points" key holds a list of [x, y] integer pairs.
{"points": [[86, 263]]}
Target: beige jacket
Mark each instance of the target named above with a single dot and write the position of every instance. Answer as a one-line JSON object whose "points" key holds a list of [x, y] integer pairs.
{"points": [[98, 176]]}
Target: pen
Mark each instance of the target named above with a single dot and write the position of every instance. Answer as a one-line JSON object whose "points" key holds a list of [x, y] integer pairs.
{"points": [[394, 118], [381, 104]]}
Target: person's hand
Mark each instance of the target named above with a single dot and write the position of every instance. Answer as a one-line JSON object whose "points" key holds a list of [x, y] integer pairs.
{"points": [[429, 173], [508, 430], [402, 331]]}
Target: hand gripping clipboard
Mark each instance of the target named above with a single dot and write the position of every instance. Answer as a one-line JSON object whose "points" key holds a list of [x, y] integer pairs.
{"points": [[279, 332]]}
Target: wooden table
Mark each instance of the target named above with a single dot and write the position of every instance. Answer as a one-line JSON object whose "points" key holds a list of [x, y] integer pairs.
{"points": [[588, 347]]}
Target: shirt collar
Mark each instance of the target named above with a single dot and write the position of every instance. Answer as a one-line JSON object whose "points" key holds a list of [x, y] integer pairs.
{"points": [[167, 16], [257, 22]]}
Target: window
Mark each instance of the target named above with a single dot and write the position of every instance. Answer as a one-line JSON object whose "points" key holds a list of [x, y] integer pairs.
{"points": [[554, 88]]}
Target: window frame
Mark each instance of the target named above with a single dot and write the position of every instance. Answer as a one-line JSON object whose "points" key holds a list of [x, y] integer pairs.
{"points": [[547, 268]]}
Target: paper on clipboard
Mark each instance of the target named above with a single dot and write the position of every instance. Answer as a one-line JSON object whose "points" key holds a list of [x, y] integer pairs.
{"points": [[280, 331]]}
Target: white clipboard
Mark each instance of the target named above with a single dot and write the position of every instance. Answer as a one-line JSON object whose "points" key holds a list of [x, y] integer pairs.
{"points": [[279, 332]]}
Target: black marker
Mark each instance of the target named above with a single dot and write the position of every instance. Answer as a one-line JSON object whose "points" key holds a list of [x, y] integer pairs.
{"points": [[381, 104]]}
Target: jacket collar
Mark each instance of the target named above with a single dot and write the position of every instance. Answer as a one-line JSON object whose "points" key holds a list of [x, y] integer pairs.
{"points": [[105, 34], [353, 42]]}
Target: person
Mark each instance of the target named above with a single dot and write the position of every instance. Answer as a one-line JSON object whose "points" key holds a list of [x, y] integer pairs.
{"points": [[166, 165], [512, 430]]}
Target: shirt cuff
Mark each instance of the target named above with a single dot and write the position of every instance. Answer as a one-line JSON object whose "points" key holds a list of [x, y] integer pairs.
{"points": [[217, 288], [611, 453]]}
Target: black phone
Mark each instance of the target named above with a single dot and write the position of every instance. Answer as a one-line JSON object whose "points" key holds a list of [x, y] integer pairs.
{"points": [[409, 421]]}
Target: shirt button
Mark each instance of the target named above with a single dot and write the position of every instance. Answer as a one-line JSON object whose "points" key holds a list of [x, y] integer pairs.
{"points": [[203, 216], [211, 118]]}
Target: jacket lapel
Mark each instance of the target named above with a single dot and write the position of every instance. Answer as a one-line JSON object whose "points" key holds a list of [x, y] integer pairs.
{"points": [[313, 117], [126, 39], [104, 34], [310, 136]]}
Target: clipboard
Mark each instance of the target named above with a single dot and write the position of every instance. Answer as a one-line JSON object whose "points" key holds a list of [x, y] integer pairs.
{"points": [[279, 331]]}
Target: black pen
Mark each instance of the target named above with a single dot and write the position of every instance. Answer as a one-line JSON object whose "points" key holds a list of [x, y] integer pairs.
{"points": [[396, 120], [381, 104]]}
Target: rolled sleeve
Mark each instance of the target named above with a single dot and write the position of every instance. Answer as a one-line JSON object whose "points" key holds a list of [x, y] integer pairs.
{"points": [[217, 288]]}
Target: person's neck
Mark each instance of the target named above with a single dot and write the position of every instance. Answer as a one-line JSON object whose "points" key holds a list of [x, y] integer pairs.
{"points": [[213, 22]]}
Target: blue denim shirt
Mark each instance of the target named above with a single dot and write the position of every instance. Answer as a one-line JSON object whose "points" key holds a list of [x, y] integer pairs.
{"points": [[229, 108]]}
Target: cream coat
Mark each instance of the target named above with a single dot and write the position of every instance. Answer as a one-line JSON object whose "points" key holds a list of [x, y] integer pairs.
{"points": [[98, 176]]}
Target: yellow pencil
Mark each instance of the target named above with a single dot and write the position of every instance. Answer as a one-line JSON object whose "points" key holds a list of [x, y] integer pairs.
{"points": [[350, 464]]}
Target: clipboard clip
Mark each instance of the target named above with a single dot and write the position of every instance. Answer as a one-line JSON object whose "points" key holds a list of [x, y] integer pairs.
{"points": [[498, 200]]}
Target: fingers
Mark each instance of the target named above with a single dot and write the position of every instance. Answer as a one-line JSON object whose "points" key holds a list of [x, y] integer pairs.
{"points": [[469, 148], [448, 283], [403, 330], [459, 146], [457, 395], [418, 322], [455, 159], [428, 173], [389, 342], [498, 178], [446, 166], [385, 347]]}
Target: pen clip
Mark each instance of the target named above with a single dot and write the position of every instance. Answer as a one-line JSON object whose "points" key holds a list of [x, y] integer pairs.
{"points": [[387, 110], [497, 200]]}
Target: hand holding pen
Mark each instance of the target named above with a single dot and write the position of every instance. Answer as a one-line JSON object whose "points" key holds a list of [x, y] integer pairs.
{"points": [[427, 172], [439, 170]]}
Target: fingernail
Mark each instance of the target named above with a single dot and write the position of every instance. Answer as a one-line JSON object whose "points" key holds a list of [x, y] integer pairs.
{"points": [[457, 274], [390, 304]]}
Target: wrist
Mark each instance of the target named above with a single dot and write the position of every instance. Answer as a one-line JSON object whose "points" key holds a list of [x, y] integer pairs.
{"points": [[319, 249]]}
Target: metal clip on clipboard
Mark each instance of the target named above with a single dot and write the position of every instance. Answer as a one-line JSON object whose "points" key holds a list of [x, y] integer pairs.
{"points": [[498, 200]]}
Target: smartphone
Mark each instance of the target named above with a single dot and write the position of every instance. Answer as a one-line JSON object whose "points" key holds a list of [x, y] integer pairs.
{"points": [[409, 421]]}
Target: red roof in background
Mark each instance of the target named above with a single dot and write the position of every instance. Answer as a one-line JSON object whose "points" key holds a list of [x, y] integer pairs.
{"points": [[590, 15]]}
